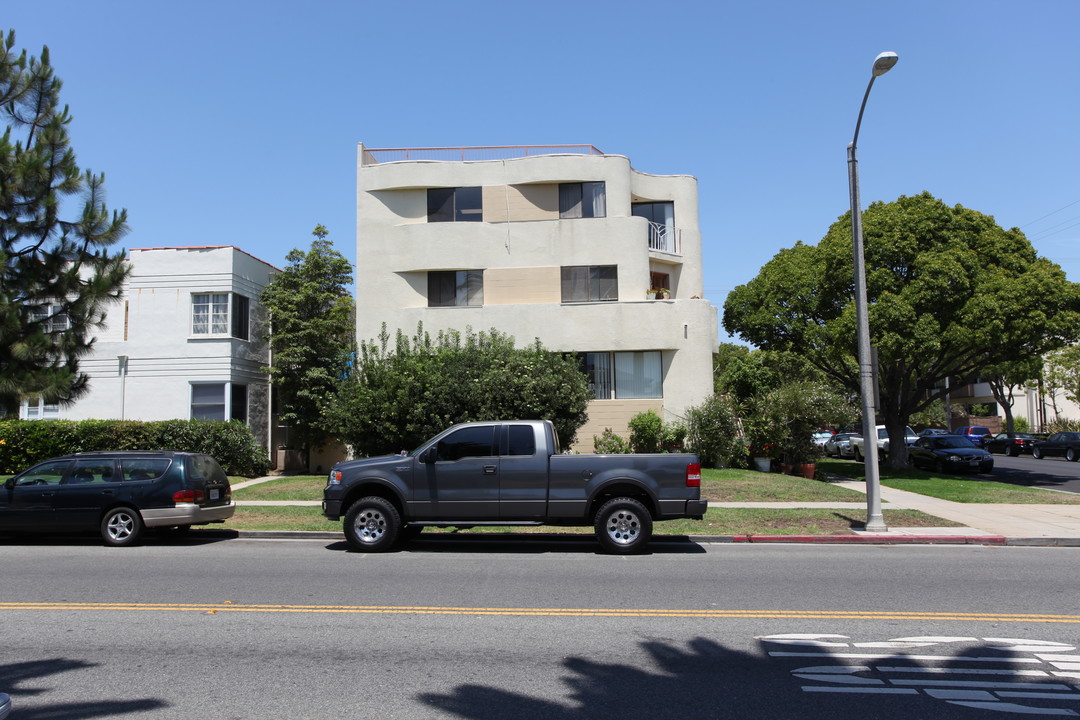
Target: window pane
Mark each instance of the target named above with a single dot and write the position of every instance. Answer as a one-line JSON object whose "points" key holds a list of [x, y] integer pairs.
{"points": [[49, 473], [449, 288], [440, 204], [468, 204], [570, 200], [522, 440], [605, 283], [143, 469], [638, 375], [471, 287], [575, 284], [593, 200], [239, 397], [208, 402], [467, 442], [219, 314], [200, 314], [597, 368], [240, 318]]}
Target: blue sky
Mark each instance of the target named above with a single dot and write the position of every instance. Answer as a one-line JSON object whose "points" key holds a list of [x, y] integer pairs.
{"points": [[236, 123]]}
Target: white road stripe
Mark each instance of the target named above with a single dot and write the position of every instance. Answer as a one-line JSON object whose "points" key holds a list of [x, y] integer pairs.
{"points": [[874, 691], [900, 656]]}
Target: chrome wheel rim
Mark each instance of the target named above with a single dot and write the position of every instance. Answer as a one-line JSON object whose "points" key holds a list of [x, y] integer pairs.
{"points": [[120, 526], [623, 527], [370, 525]]}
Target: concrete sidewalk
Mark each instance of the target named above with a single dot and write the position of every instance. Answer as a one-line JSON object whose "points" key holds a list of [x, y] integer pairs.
{"points": [[987, 524]]}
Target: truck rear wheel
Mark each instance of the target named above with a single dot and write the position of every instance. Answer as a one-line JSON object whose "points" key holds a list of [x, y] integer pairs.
{"points": [[623, 526], [372, 524]]}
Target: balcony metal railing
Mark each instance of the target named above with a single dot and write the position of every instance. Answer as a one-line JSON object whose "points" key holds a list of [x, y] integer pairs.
{"points": [[494, 152], [664, 238]]}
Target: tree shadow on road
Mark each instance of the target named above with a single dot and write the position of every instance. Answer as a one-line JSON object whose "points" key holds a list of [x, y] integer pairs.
{"points": [[18, 681], [702, 680]]}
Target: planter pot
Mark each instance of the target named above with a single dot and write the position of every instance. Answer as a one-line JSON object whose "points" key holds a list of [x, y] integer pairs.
{"points": [[807, 470], [763, 464]]}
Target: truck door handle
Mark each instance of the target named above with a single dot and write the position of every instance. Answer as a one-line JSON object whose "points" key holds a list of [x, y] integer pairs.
{"points": [[489, 469]]}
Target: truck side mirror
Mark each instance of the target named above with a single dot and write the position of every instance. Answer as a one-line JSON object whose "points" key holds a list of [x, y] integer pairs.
{"points": [[428, 456]]}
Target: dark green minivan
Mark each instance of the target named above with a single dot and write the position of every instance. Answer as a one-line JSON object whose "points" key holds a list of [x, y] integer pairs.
{"points": [[117, 493]]}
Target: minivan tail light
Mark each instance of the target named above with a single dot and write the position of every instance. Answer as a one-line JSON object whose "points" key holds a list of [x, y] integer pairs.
{"points": [[189, 496], [693, 475]]}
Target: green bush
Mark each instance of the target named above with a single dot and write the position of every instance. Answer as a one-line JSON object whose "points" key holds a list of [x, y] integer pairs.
{"points": [[1021, 424], [608, 443], [25, 442], [646, 432], [713, 433], [1061, 424]]}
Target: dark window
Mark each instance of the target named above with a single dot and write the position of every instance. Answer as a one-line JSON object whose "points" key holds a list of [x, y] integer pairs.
{"points": [[585, 283], [454, 288], [467, 442], [91, 471], [582, 200], [597, 368], [135, 469], [463, 204], [240, 316], [624, 375], [239, 405], [522, 440]]}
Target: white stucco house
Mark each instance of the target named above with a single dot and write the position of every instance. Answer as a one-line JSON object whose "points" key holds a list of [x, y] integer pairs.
{"points": [[561, 243], [186, 340]]}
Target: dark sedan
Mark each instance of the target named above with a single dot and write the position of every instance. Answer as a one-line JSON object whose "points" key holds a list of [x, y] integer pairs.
{"points": [[1012, 445], [1062, 444], [949, 453]]}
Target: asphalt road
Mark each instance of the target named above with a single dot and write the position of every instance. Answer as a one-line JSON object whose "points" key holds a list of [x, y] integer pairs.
{"points": [[1052, 473], [487, 628]]}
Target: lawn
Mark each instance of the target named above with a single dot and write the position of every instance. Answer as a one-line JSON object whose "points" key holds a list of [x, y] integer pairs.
{"points": [[752, 486], [296, 487], [958, 488], [718, 521]]}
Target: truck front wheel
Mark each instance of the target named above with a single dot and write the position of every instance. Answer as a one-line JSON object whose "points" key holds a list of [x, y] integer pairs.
{"points": [[372, 524], [623, 526]]}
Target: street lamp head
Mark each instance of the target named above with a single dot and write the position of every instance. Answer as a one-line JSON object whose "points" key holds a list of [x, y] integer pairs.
{"points": [[883, 63]]}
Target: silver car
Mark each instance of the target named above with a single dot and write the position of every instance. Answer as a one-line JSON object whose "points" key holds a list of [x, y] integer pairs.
{"points": [[839, 446]]}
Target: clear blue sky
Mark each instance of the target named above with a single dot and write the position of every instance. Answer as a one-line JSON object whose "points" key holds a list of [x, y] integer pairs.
{"points": [[221, 122]]}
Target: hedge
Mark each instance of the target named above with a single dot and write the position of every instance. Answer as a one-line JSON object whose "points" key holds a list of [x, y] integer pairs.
{"points": [[25, 442]]}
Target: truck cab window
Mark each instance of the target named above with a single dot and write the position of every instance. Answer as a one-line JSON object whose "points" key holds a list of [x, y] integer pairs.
{"points": [[522, 440], [467, 442]]}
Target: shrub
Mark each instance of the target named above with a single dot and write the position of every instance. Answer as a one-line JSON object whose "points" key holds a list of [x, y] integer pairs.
{"points": [[608, 443], [646, 432], [713, 433], [1060, 424], [25, 442], [1021, 424]]}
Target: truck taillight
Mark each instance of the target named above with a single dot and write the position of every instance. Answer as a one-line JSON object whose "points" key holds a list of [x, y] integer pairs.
{"points": [[189, 496], [693, 475]]}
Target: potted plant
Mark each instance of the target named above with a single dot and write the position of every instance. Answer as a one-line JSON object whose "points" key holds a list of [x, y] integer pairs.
{"points": [[663, 294]]}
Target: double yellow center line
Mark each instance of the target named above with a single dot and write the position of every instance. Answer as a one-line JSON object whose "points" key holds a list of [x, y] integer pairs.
{"points": [[231, 607]]}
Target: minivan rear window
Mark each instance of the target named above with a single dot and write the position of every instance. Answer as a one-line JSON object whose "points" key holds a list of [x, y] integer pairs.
{"points": [[206, 468], [135, 469]]}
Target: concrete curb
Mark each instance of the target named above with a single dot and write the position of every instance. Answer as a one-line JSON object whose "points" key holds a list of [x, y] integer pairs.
{"points": [[986, 540]]}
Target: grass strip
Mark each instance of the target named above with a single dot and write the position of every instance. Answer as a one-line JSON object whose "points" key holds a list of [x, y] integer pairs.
{"points": [[296, 487], [958, 488], [718, 521]]}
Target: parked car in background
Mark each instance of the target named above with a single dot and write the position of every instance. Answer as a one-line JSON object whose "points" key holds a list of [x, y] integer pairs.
{"points": [[857, 443], [117, 493], [1012, 445], [820, 438], [1062, 444], [949, 453], [839, 445], [928, 432], [975, 433]]}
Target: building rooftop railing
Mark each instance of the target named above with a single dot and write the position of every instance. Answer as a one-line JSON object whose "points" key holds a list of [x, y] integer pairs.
{"points": [[494, 152]]}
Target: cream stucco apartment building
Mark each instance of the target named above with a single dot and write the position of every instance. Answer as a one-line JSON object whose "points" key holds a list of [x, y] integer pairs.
{"points": [[561, 243]]}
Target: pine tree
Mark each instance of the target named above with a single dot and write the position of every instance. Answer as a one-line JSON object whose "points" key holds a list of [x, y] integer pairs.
{"points": [[58, 276]]}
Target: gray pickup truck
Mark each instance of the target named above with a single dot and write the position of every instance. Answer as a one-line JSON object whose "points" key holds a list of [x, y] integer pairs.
{"points": [[510, 473]]}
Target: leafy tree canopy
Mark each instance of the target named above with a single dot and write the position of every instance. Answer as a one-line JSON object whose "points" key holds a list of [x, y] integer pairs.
{"points": [[950, 293], [396, 399], [58, 276], [312, 336]]}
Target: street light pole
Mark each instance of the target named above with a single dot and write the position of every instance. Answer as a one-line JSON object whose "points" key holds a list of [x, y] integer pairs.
{"points": [[875, 521]]}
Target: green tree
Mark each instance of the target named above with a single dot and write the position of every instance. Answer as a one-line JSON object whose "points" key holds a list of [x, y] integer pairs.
{"points": [[950, 293], [1005, 378], [312, 337], [59, 275], [1061, 374], [395, 399]]}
